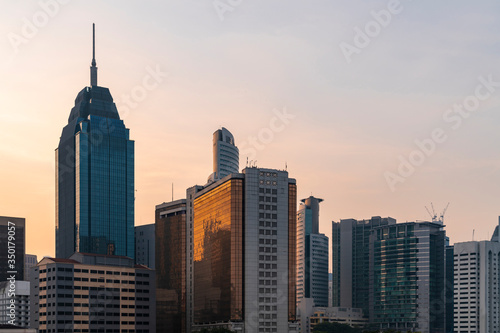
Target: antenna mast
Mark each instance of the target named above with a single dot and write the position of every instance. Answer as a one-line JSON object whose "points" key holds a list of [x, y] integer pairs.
{"points": [[93, 68]]}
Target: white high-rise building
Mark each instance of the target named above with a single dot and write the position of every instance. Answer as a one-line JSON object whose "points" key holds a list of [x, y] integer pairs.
{"points": [[226, 155], [477, 287], [312, 254]]}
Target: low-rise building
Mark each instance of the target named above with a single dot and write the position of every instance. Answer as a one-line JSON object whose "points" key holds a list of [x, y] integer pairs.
{"points": [[309, 315], [92, 293], [349, 316]]}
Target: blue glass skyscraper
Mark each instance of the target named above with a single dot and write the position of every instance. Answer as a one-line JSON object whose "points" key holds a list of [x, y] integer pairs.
{"points": [[95, 178]]}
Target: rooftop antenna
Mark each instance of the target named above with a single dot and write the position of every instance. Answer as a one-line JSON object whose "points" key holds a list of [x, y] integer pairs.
{"points": [[93, 69], [247, 161], [286, 166]]}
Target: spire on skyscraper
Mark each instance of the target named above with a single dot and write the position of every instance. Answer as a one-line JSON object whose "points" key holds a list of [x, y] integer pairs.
{"points": [[95, 179], [93, 69]]}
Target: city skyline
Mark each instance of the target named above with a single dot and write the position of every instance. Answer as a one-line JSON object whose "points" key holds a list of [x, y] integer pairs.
{"points": [[234, 73]]}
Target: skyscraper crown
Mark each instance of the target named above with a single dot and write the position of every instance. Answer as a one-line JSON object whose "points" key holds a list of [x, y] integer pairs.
{"points": [[94, 101]]}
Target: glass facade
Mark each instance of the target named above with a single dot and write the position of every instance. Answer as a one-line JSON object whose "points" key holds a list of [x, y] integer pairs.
{"points": [[336, 264], [449, 289], [395, 275], [317, 251], [312, 258], [170, 231], [95, 179], [350, 261], [407, 279], [218, 254], [361, 259]]}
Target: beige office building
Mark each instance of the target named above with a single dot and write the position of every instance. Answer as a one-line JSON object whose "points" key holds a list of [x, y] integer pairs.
{"points": [[92, 293]]}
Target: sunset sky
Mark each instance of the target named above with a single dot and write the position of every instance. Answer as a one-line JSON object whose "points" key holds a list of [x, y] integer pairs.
{"points": [[238, 64]]}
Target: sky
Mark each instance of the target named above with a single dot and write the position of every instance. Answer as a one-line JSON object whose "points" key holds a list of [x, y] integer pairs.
{"points": [[377, 107]]}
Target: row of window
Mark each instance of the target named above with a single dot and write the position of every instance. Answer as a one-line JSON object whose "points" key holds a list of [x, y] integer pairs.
{"points": [[268, 174], [100, 330], [268, 207], [93, 313], [78, 270], [273, 329], [264, 199], [70, 278], [268, 191], [86, 305], [86, 322], [268, 241], [265, 249], [268, 282], [268, 258], [146, 299]]}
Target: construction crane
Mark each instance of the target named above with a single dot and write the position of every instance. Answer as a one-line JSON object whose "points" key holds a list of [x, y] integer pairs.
{"points": [[441, 217], [434, 216]]}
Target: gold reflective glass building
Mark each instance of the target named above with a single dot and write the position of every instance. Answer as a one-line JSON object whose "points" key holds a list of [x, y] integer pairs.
{"points": [[218, 253], [244, 252]]}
